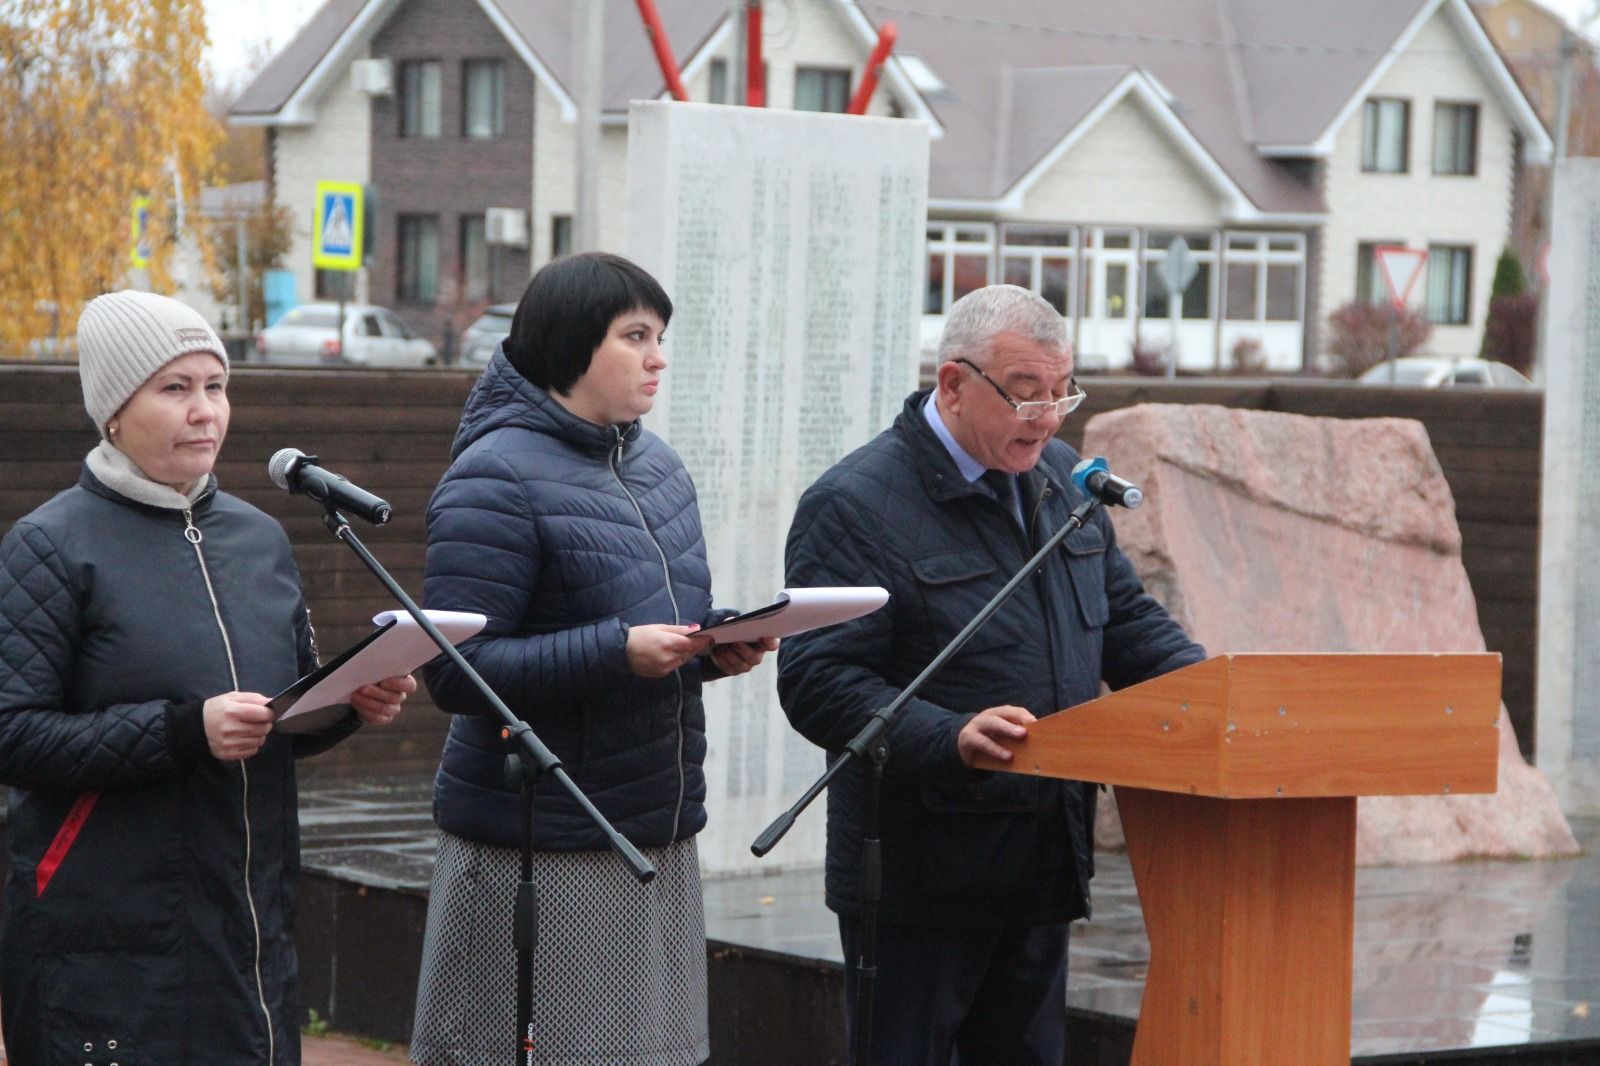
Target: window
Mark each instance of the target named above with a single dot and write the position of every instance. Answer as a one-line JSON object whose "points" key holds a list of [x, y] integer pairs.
{"points": [[1040, 258], [717, 74], [1264, 273], [420, 92], [1385, 136], [475, 280], [960, 258], [1449, 284], [1455, 139], [419, 259], [1371, 288], [560, 236], [483, 101], [1196, 301], [817, 89]]}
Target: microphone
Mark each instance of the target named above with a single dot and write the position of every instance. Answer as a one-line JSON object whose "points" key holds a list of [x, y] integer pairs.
{"points": [[1094, 476], [293, 469]]}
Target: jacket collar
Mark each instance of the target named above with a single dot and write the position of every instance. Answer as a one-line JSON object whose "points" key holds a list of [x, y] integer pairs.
{"points": [[502, 397], [941, 478], [88, 481]]}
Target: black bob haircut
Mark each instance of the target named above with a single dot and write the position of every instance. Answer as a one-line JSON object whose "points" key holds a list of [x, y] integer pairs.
{"points": [[567, 309]]}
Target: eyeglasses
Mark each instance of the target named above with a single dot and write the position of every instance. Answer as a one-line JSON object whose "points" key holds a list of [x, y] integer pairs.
{"points": [[1033, 410]]}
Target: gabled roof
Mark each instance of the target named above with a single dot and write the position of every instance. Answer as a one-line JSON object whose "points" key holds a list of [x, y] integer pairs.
{"points": [[1249, 80], [287, 89]]}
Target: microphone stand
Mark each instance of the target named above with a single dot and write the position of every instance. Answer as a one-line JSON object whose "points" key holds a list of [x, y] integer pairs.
{"points": [[528, 761], [872, 743]]}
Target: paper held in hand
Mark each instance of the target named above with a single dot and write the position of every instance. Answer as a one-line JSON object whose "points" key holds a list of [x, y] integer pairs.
{"points": [[398, 646], [797, 610]]}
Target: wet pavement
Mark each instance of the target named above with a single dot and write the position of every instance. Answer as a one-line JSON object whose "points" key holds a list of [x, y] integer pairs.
{"points": [[1472, 955]]}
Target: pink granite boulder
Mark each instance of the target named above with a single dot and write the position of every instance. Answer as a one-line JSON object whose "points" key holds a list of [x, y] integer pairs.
{"points": [[1266, 532]]}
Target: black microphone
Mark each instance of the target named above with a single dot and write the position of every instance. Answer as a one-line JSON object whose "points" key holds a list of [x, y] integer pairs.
{"points": [[1094, 476], [293, 469]]}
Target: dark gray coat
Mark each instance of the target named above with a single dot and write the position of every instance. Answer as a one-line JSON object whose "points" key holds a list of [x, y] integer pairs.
{"points": [[565, 533], [138, 908], [986, 849]]}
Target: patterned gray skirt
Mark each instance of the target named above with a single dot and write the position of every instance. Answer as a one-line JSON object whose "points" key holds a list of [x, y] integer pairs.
{"points": [[619, 970]]}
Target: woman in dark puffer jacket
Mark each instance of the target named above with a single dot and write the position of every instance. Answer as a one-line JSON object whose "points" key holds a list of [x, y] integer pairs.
{"points": [[145, 617], [576, 532]]}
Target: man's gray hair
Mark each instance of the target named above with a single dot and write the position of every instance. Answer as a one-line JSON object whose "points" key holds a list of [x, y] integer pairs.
{"points": [[980, 315]]}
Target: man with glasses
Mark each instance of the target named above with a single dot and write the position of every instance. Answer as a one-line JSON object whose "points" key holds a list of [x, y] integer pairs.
{"points": [[981, 872]]}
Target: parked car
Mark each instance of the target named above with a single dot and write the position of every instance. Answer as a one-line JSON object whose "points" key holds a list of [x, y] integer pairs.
{"points": [[480, 339], [1431, 371], [372, 336]]}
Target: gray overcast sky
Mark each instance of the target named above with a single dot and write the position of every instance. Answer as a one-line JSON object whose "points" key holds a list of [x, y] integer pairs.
{"points": [[237, 26]]}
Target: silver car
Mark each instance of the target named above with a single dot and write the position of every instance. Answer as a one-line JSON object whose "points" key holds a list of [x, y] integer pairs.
{"points": [[479, 340], [372, 336]]}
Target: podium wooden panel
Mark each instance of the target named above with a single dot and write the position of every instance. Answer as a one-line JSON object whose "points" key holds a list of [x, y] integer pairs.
{"points": [[1237, 781]]}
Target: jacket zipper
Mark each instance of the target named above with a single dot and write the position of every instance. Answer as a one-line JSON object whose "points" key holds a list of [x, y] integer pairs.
{"points": [[193, 535], [616, 472]]}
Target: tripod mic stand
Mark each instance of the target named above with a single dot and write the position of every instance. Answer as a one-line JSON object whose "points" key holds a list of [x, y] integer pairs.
{"points": [[872, 743], [530, 760]]}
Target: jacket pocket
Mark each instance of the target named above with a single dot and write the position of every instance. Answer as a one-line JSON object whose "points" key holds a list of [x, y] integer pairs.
{"points": [[955, 586], [102, 1007], [1086, 563], [996, 793]]}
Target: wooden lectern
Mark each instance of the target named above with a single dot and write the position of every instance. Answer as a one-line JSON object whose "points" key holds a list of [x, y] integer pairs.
{"points": [[1237, 781]]}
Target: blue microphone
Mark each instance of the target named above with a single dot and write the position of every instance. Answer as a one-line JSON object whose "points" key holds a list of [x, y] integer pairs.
{"points": [[1094, 477]]}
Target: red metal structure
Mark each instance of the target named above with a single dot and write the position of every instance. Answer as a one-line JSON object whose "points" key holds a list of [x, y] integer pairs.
{"points": [[755, 81], [663, 48], [869, 77]]}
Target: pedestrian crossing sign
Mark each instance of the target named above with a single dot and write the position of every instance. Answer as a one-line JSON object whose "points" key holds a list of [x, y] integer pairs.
{"points": [[340, 217]]}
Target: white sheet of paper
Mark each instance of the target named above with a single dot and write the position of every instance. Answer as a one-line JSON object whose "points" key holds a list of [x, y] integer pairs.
{"points": [[399, 650], [797, 610]]}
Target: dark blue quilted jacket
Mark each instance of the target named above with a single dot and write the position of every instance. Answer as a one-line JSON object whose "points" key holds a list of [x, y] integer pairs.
{"points": [[564, 534], [984, 849]]}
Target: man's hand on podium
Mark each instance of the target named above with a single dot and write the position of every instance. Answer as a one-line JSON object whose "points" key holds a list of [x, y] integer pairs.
{"points": [[981, 734]]}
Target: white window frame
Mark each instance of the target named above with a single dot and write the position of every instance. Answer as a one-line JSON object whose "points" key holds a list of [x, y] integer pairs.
{"points": [[1454, 167], [953, 242], [1440, 303], [1262, 255], [1036, 254], [1150, 256], [1373, 128]]}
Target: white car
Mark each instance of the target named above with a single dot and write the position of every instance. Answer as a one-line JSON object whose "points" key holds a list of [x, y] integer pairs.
{"points": [[1432, 371], [480, 339], [372, 336]]}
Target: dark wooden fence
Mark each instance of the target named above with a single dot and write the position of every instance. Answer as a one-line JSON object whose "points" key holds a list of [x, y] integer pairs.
{"points": [[391, 432]]}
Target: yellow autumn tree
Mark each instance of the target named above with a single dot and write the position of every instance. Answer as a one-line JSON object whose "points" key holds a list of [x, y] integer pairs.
{"points": [[101, 101]]}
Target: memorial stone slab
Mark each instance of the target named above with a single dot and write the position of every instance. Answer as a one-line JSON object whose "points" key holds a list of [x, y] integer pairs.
{"points": [[1568, 712], [1268, 532], [791, 245]]}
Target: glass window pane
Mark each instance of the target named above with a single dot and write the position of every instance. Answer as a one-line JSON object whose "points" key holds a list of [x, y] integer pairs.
{"points": [[1237, 243], [971, 274], [933, 301], [1197, 297], [1241, 300], [422, 84], [1156, 301], [369, 326], [972, 235], [1283, 244], [1116, 290], [1283, 293], [1038, 236], [1055, 283], [485, 113], [474, 258], [1119, 239], [821, 90], [419, 258], [1019, 272], [718, 74]]}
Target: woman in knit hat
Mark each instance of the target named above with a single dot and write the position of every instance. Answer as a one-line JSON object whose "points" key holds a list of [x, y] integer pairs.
{"points": [[144, 618]]}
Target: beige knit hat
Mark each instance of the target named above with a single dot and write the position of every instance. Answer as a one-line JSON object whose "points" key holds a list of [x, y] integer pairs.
{"points": [[125, 337]]}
